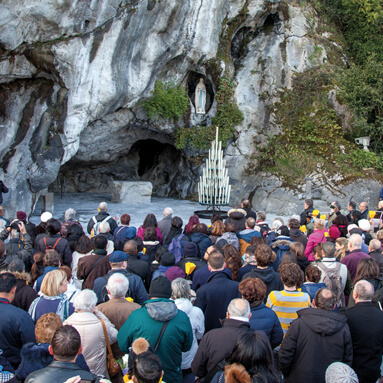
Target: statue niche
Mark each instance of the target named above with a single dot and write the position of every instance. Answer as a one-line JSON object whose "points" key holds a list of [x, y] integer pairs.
{"points": [[200, 97], [201, 93]]}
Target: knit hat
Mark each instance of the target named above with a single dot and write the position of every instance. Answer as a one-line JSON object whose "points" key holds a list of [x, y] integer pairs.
{"points": [[174, 272], [160, 288], [168, 259], [334, 232], [190, 249], [118, 256], [21, 216], [364, 225], [46, 216], [338, 372]]}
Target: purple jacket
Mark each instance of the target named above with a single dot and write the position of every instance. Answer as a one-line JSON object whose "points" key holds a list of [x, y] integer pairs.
{"points": [[314, 238], [351, 261], [141, 231]]}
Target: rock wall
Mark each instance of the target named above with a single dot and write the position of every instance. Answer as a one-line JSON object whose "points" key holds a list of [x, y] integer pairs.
{"points": [[73, 75]]}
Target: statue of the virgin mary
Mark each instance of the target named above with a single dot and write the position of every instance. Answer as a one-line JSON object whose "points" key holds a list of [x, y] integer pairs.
{"points": [[200, 97]]}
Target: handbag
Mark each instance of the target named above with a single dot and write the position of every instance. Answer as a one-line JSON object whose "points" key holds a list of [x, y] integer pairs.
{"points": [[113, 367]]}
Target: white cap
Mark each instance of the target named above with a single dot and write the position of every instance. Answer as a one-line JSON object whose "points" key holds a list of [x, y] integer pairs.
{"points": [[46, 216]]}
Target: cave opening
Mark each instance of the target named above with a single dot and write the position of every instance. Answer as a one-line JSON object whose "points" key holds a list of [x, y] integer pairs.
{"points": [[271, 23], [193, 80]]}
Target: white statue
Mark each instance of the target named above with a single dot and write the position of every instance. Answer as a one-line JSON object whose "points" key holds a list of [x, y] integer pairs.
{"points": [[200, 97]]}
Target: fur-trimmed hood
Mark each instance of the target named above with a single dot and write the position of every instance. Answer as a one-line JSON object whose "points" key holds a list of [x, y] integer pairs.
{"points": [[20, 276], [235, 373], [281, 242], [236, 213]]}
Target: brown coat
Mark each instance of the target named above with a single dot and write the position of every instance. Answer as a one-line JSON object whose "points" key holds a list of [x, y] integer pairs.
{"points": [[85, 265], [117, 310]]}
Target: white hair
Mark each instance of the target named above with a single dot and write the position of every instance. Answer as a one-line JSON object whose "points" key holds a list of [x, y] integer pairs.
{"points": [[365, 290], [364, 225], [104, 227], [181, 289], [276, 225], [296, 216], [375, 244], [356, 241], [69, 214], [103, 206], [117, 285], [85, 300], [239, 308], [380, 204], [168, 211]]}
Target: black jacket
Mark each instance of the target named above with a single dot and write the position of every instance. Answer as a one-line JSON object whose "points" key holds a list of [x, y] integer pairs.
{"points": [[269, 276], [141, 268], [310, 209], [314, 340], [366, 327], [378, 256], [99, 218], [214, 297], [60, 244], [17, 249], [3, 189], [250, 213], [237, 217], [60, 372]]}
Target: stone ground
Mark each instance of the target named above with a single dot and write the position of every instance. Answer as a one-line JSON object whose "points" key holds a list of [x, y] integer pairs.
{"points": [[86, 205]]}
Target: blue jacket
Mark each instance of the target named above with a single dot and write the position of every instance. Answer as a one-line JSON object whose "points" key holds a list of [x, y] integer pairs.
{"points": [[203, 242], [312, 288], [17, 328], [280, 245], [136, 286], [214, 297], [263, 318], [201, 276], [39, 280]]}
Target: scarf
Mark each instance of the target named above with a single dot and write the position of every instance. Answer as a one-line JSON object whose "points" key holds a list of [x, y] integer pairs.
{"points": [[62, 309]]}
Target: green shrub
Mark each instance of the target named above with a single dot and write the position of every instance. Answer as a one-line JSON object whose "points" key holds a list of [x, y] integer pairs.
{"points": [[167, 100]]}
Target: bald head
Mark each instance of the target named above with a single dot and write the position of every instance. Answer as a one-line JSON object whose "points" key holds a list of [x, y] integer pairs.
{"points": [[103, 206], [238, 308], [363, 291], [375, 245], [355, 242], [324, 299], [130, 247]]}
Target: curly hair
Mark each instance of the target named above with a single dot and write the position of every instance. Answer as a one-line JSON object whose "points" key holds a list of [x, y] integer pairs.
{"points": [[263, 255], [46, 326], [253, 290], [233, 259], [291, 275], [313, 274]]}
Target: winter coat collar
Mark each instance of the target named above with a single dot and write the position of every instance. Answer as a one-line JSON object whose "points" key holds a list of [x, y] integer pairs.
{"points": [[234, 323], [218, 275]]}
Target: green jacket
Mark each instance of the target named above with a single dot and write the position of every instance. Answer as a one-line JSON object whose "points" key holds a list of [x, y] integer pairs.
{"points": [[147, 322]]}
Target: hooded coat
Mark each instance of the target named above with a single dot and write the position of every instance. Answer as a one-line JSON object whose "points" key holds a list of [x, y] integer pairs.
{"points": [[147, 323], [314, 340], [280, 245], [238, 218], [25, 294]]}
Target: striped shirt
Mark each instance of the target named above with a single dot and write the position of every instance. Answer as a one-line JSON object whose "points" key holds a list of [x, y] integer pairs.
{"points": [[286, 304]]}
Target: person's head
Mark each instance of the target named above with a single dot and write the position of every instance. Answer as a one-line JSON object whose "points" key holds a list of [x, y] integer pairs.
{"points": [[276, 224], [364, 225], [104, 227], [335, 206], [7, 286], [140, 243], [176, 222], [380, 204], [118, 259], [363, 291], [168, 212], [250, 252], [341, 243], [215, 217], [103, 207], [291, 275], [328, 249], [150, 221], [53, 226], [73, 234], [351, 206], [130, 247], [282, 231], [193, 220], [261, 216], [298, 249], [66, 344], [313, 274], [168, 259], [46, 326], [3, 249], [356, 216], [218, 228], [67, 270], [180, 289], [374, 245], [355, 242], [216, 261], [294, 223], [147, 368], [288, 257], [317, 251], [45, 217], [263, 255], [253, 290], [84, 245], [150, 234], [70, 214], [52, 258], [232, 259], [191, 250], [245, 202], [367, 268], [257, 241], [308, 202], [238, 308], [250, 223], [341, 222], [319, 224], [54, 283], [2, 210], [100, 242], [117, 285], [339, 372], [324, 299], [363, 206], [125, 219], [16, 266], [85, 300], [200, 228], [160, 288]]}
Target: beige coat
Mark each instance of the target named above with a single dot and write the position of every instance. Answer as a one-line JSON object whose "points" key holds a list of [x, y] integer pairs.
{"points": [[92, 339]]}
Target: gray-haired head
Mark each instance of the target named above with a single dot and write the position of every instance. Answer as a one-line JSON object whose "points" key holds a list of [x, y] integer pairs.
{"points": [[168, 212], [181, 289], [276, 224], [239, 308], [355, 241], [17, 265], [117, 285], [375, 244], [104, 227], [103, 206], [337, 205], [328, 249], [364, 291], [70, 214], [85, 300]]}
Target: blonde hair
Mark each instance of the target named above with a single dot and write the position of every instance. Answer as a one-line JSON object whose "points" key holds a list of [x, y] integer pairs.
{"points": [[52, 282], [319, 224]]}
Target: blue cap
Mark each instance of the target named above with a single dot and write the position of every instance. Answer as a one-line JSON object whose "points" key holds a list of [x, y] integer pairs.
{"points": [[118, 256]]}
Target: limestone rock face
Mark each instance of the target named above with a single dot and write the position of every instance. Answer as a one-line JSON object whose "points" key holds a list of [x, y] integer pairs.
{"points": [[134, 192], [73, 75]]}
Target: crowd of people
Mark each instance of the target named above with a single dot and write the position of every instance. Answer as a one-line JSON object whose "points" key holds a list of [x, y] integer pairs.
{"points": [[240, 300]]}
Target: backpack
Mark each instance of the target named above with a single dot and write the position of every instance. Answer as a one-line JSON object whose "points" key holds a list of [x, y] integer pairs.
{"points": [[51, 247], [176, 247], [95, 230], [333, 281]]}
